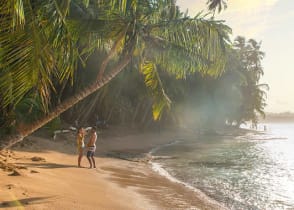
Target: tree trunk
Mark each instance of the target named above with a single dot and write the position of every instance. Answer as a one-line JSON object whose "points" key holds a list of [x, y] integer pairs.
{"points": [[26, 130]]}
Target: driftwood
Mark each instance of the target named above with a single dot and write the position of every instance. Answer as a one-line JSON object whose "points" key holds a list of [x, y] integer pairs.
{"points": [[70, 129]]}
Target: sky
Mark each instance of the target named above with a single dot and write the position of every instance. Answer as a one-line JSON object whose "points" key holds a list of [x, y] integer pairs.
{"points": [[269, 21]]}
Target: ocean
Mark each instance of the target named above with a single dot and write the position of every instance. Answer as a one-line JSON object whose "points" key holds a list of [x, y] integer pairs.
{"points": [[254, 171]]}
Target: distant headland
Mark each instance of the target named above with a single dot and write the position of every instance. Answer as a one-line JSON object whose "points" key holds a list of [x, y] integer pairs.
{"points": [[279, 117]]}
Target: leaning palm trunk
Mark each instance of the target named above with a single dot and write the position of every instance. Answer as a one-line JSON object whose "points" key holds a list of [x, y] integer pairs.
{"points": [[26, 130]]}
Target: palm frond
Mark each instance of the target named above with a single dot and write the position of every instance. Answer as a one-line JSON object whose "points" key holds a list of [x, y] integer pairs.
{"points": [[13, 12], [34, 53], [216, 5], [154, 84], [189, 45], [175, 60]]}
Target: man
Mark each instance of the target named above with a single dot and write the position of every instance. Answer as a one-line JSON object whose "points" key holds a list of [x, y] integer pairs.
{"points": [[91, 146]]}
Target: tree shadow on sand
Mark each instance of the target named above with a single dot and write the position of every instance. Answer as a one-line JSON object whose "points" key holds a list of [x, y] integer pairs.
{"points": [[47, 165], [24, 202]]}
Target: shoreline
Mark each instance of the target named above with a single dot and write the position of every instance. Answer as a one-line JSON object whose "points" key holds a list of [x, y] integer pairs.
{"points": [[159, 169], [133, 179], [144, 155]]}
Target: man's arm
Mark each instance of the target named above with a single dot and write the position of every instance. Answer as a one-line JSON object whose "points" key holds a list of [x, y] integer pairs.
{"points": [[94, 138]]}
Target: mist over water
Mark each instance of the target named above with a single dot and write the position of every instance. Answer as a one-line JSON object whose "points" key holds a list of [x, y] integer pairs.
{"points": [[255, 171]]}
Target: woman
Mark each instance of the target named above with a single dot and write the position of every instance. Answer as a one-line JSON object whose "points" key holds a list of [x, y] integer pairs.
{"points": [[80, 144], [92, 148]]}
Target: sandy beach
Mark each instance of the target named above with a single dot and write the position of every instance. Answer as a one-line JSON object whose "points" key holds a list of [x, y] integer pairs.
{"points": [[50, 179]]}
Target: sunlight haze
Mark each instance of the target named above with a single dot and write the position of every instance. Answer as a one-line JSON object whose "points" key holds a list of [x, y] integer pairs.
{"points": [[269, 21]]}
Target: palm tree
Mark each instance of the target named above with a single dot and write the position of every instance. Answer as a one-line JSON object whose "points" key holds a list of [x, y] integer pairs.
{"points": [[253, 93], [254, 57], [152, 33], [216, 5]]}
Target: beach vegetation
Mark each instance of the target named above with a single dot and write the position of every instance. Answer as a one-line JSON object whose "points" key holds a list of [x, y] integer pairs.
{"points": [[55, 54]]}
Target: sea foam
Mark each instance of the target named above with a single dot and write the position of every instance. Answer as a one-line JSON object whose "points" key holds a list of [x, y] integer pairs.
{"points": [[158, 168]]}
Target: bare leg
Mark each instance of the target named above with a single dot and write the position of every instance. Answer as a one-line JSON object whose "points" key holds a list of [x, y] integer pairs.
{"points": [[80, 157], [89, 161], [93, 160]]}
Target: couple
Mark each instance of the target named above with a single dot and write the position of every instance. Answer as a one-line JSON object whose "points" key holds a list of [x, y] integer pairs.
{"points": [[91, 146]]}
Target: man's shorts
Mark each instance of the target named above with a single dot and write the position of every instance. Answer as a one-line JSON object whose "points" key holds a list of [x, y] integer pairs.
{"points": [[90, 153]]}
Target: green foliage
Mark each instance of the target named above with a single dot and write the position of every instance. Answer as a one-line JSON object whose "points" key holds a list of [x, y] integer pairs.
{"points": [[29, 109], [153, 82], [45, 47], [198, 100], [54, 125], [236, 96], [163, 36], [36, 47]]}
